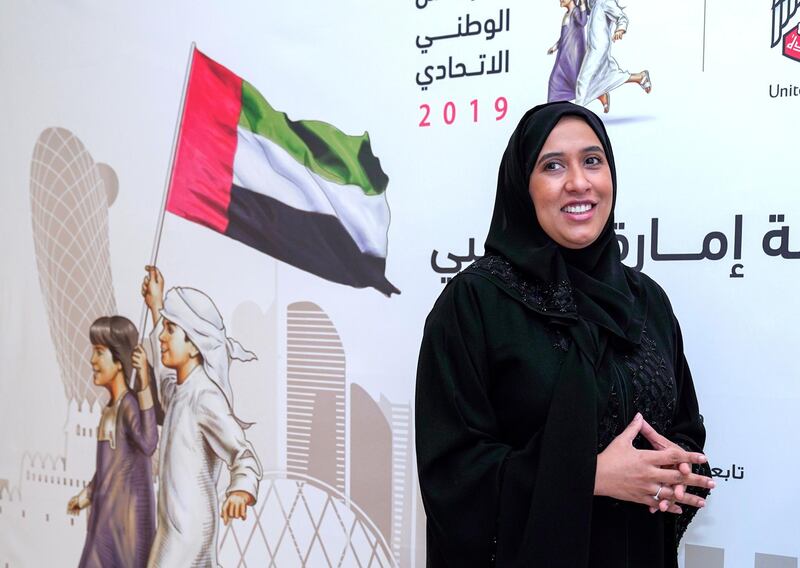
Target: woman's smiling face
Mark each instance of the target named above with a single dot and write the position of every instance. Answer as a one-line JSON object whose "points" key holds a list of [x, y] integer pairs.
{"points": [[571, 186]]}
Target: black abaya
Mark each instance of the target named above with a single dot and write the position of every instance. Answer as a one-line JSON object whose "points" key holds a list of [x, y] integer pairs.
{"points": [[487, 371], [532, 361]]}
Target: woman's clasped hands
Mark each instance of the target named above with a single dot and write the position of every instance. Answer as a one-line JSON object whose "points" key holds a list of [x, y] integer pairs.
{"points": [[657, 478]]}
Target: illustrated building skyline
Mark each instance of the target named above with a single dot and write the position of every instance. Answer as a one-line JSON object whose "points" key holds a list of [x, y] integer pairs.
{"points": [[371, 459], [375, 448], [70, 195], [315, 396], [399, 417]]}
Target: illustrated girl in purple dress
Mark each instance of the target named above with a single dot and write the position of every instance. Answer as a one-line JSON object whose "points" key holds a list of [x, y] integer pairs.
{"points": [[571, 48], [121, 523]]}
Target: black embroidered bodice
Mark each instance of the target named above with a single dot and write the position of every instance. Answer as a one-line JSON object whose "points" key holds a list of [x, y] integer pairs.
{"points": [[545, 297], [643, 382]]}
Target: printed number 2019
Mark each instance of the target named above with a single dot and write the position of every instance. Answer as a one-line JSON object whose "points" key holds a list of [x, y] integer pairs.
{"points": [[449, 111]]}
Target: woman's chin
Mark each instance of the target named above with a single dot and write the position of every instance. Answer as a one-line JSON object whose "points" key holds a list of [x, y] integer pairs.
{"points": [[577, 242]]}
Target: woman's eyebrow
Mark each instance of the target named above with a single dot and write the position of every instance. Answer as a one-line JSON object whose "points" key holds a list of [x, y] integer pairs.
{"points": [[549, 155], [586, 150]]}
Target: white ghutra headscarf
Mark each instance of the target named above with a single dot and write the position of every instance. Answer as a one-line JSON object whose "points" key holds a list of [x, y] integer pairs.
{"points": [[196, 314]]}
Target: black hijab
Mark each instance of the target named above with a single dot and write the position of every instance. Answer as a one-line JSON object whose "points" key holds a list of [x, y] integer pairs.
{"points": [[609, 307], [603, 293]]}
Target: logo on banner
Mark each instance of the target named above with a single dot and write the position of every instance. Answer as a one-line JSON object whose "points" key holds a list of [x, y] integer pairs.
{"points": [[782, 13], [791, 46]]}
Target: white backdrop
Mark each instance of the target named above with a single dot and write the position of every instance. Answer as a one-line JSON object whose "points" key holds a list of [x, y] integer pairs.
{"points": [[708, 143]]}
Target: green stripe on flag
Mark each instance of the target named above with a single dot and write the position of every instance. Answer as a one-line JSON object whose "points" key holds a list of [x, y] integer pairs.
{"points": [[321, 147]]}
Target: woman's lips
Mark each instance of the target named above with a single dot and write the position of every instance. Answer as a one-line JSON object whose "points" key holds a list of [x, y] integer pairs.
{"points": [[579, 211]]}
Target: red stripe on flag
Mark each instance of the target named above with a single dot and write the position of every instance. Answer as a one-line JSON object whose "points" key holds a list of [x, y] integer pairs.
{"points": [[203, 172]]}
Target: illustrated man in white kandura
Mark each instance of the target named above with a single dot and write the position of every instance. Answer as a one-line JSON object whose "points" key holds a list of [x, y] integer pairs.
{"points": [[600, 73], [200, 431]]}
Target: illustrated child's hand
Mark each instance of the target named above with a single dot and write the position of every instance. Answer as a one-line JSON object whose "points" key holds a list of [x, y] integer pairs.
{"points": [[72, 506], [153, 290], [235, 506], [618, 35], [139, 360]]}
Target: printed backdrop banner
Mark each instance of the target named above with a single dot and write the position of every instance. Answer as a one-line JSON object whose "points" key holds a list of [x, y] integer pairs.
{"points": [[342, 172]]}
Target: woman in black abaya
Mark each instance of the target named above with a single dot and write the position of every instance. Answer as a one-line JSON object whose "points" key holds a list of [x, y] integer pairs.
{"points": [[557, 423]]}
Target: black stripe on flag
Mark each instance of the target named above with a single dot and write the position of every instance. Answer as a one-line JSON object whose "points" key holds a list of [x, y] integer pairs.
{"points": [[314, 242]]}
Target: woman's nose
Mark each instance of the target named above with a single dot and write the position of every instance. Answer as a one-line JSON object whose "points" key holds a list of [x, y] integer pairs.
{"points": [[577, 181]]}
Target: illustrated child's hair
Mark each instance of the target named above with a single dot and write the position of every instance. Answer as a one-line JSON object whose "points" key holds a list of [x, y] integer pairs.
{"points": [[119, 335]]}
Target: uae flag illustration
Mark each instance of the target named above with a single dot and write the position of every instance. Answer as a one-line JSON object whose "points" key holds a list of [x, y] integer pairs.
{"points": [[300, 191]]}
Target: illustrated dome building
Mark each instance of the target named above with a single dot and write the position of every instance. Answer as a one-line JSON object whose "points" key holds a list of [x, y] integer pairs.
{"points": [[70, 196], [302, 521]]}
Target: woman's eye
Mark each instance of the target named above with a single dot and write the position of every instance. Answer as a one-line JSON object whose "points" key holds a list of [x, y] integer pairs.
{"points": [[593, 161], [552, 166]]}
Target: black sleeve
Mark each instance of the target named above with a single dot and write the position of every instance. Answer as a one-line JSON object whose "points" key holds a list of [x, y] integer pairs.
{"points": [[688, 430], [469, 478]]}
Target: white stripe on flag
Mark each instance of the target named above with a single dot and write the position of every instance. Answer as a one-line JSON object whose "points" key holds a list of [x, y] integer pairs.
{"points": [[262, 166]]}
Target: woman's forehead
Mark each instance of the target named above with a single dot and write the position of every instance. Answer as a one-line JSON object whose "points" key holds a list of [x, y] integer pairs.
{"points": [[554, 122], [571, 126]]}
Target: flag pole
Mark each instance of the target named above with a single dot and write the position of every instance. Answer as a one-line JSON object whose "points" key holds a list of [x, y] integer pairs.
{"points": [[175, 140], [165, 194]]}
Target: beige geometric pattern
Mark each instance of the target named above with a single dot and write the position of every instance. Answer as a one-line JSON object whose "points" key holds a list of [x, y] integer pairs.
{"points": [[69, 213], [301, 521]]}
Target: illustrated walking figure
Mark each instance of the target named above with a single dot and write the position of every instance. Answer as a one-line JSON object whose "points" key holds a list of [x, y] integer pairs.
{"points": [[120, 495], [201, 433], [570, 49], [599, 72]]}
